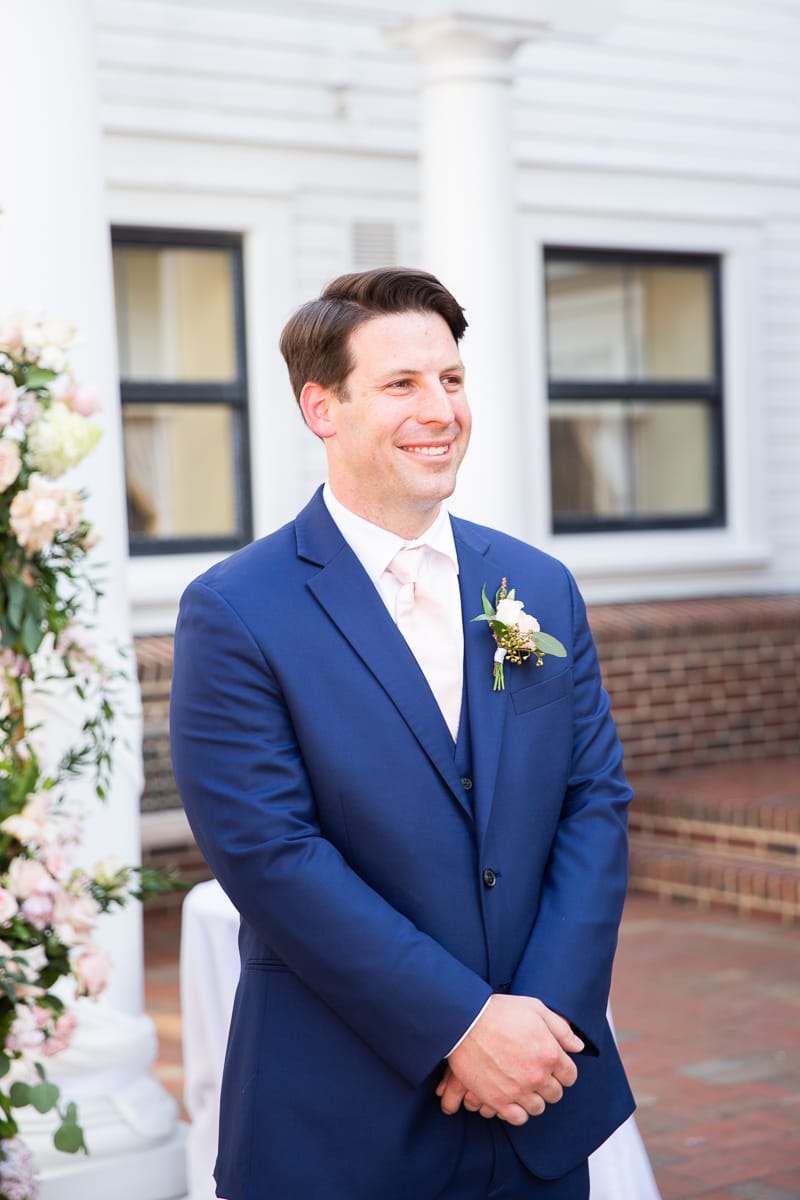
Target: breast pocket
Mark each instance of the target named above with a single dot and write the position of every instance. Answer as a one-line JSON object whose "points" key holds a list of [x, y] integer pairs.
{"points": [[540, 694]]}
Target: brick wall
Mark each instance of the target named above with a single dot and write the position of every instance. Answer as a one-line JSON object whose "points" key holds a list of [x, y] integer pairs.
{"points": [[692, 683], [702, 681]]}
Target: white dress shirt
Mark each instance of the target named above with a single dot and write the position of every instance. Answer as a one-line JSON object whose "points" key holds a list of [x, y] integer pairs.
{"points": [[375, 548]]}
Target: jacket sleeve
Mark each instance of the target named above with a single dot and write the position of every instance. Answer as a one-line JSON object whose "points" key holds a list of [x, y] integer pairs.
{"points": [[242, 780], [568, 959]]}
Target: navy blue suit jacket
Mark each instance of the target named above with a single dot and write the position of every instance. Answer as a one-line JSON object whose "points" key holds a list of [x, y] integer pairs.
{"points": [[319, 779]]}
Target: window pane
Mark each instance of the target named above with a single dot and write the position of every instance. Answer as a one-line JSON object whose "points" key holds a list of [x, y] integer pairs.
{"points": [[617, 321], [175, 314], [179, 466], [615, 460]]}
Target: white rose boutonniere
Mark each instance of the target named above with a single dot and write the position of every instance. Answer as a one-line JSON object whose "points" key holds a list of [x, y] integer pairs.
{"points": [[516, 633]]}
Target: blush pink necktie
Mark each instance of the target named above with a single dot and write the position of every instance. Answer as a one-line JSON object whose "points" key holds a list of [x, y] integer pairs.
{"points": [[422, 620]]}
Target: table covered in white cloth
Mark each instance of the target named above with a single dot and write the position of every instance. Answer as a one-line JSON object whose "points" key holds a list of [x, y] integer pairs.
{"points": [[619, 1170]]}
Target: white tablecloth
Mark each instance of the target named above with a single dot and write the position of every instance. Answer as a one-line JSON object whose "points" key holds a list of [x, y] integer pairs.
{"points": [[619, 1170]]}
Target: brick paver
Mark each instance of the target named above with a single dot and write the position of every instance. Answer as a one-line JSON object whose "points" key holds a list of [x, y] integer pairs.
{"points": [[707, 1010]]}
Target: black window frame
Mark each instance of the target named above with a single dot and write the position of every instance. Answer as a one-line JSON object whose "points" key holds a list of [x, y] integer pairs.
{"points": [[232, 394], [650, 392]]}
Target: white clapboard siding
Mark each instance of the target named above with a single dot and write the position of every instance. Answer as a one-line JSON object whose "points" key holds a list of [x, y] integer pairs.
{"points": [[781, 356], [696, 86], [684, 115]]}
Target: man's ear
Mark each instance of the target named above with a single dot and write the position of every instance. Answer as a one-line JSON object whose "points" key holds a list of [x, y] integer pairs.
{"points": [[316, 404]]}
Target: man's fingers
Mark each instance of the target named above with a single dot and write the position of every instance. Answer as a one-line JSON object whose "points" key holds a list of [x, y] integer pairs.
{"points": [[566, 1073], [518, 1114], [451, 1092], [561, 1030], [551, 1090]]}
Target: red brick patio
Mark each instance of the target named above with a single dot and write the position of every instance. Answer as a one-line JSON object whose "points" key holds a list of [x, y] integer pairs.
{"points": [[707, 1008]]}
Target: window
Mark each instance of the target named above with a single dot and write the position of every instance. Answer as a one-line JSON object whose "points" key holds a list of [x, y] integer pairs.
{"points": [[635, 390], [180, 335]]}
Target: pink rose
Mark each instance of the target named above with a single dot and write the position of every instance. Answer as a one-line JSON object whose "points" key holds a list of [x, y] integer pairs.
{"points": [[82, 400], [42, 511], [38, 910], [27, 876], [61, 1035], [11, 335], [33, 826], [10, 463], [91, 970], [29, 410], [25, 1032], [8, 399], [8, 906], [74, 917]]}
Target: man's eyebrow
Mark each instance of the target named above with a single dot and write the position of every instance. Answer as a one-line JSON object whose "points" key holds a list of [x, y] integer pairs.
{"points": [[454, 368]]}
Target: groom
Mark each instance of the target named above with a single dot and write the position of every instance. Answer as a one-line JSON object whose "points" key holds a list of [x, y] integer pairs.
{"points": [[430, 873]]}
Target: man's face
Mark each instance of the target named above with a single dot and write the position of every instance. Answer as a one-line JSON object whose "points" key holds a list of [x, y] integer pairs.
{"points": [[400, 433]]}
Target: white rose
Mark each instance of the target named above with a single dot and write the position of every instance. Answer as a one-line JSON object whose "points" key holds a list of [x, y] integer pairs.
{"points": [[508, 611], [528, 624]]}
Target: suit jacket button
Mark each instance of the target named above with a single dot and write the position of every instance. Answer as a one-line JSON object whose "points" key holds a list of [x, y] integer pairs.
{"points": [[466, 783], [489, 878]]}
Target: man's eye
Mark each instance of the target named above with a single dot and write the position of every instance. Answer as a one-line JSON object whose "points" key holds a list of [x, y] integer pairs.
{"points": [[453, 381]]}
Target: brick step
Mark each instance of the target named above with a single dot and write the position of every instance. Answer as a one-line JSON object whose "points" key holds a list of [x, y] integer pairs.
{"points": [[763, 793], [691, 826], [736, 881]]}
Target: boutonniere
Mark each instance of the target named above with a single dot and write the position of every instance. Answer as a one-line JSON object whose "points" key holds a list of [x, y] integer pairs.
{"points": [[516, 633]]}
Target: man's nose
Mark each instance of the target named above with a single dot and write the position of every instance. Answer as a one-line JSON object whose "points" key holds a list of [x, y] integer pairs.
{"points": [[436, 403]]}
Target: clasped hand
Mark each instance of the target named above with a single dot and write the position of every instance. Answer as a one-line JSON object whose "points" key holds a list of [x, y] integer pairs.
{"points": [[513, 1061]]}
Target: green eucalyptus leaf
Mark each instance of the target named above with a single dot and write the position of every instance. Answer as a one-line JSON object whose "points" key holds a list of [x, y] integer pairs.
{"points": [[8, 1128], [19, 1094], [5, 1065], [547, 644], [37, 377], [44, 1096], [487, 606], [32, 635], [17, 594], [69, 1136]]}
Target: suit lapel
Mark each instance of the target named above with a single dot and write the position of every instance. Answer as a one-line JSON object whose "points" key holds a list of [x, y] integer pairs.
{"points": [[487, 708], [373, 635]]}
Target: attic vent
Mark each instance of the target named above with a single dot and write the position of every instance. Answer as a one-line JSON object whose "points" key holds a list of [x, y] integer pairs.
{"points": [[374, 244]]}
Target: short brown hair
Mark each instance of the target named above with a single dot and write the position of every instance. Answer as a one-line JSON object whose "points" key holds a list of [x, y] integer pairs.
{"points": [[316, 341]]}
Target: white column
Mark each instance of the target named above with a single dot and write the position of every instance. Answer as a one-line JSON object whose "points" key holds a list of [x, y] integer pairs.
{"points": [[55, 259], [469, 239], [469, 218]]}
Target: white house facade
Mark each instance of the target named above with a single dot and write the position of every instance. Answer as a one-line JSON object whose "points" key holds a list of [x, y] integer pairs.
{"points": [[612, 189]]}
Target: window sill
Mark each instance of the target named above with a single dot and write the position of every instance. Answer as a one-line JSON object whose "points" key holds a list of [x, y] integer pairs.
{"points": [[155, 586], [662, 564]]}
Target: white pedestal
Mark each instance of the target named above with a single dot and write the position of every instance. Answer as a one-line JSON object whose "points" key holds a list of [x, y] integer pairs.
{"points": [[137, 1148]]}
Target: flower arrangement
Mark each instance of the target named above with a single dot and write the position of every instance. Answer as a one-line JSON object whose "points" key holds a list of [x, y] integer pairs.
{"points": [[516, 633], [49, 905]]}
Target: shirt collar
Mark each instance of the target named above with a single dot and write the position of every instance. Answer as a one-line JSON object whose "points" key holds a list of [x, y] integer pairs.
{"points": [[376, 547]]}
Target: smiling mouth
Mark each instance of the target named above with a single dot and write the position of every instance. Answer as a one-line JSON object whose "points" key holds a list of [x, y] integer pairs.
{"points": [[428, 451]]}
